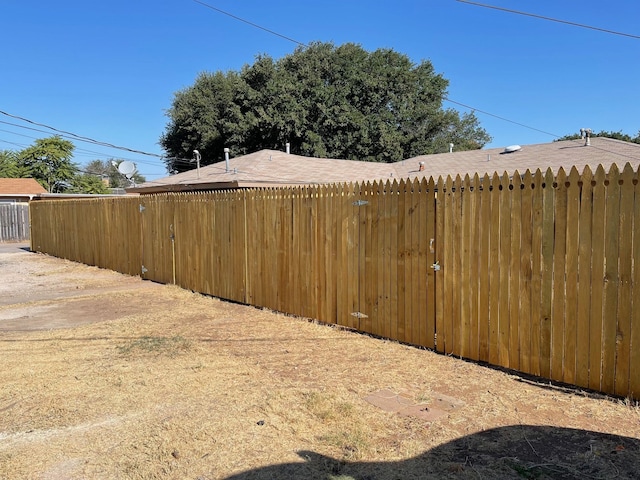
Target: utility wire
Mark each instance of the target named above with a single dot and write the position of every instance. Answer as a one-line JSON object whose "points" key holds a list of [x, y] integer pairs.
{"points": [[447, 99], [613, 32], [74, 136], [80, 137], [250, 23]]}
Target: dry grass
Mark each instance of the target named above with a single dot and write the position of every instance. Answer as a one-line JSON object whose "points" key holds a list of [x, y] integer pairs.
{"points": [[205, 389]]}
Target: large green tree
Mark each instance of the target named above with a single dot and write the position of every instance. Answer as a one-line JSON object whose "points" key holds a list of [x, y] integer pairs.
{"points": [[48, 160], [326, 101]]}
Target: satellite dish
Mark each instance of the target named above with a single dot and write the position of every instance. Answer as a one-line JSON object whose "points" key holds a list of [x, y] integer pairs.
{"points": [[512, 148], [127, 168]]}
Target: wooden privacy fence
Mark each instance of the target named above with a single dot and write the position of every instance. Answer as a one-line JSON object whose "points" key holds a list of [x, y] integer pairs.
{"points": [[531, 272], [14, 222]]}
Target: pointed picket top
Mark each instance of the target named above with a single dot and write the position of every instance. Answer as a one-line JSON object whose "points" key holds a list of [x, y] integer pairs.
{"points": [[560, 179], [574, 177], [440, 184], [505, 181], [424, 184], [600, 174], [527, 180], [627, 176], [431, 184], [416, 184], [516, 180], [448, 184], [627, 168], [562, 171], [495, 181], [394, 186], [458, 182], [486, 182], [614, 171]]}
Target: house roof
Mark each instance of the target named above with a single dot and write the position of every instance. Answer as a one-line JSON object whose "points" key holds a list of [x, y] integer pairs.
{"points": [[269, 168], [565, 154], [20, 187]]}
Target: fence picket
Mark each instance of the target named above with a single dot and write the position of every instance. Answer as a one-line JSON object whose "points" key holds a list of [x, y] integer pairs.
{"points": [[625, 242], [494, 269], [634, 358], [515, 262], [536, 272], [526, 272], [584, 279], [571, 276], [439, 248], [597, 279], [484, 267], [464, 283], [611, 279]]}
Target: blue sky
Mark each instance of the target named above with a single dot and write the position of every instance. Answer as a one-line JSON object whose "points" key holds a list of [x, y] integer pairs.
{"points": [[108, 70]]}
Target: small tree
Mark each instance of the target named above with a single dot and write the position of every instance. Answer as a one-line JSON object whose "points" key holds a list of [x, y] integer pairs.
{"points": [[49, 162], [619, 135], [109, 169], [88, 183], [9, 167]]}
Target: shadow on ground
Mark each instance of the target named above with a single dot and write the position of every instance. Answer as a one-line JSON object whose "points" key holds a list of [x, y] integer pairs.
{"points": [[529, 452]]}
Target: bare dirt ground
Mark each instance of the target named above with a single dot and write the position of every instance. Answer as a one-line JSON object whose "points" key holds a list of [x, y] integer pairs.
{"points": [[106, 376]]}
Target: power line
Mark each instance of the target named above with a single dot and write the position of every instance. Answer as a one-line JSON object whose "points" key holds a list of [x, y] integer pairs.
{"points": [[78, 137], [81, 138], [447, 99], [542, 17], [251, 23]]}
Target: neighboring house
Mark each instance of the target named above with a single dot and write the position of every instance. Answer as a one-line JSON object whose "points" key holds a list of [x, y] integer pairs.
{"points": [[271, 168], [19, 190], [15, 195]]}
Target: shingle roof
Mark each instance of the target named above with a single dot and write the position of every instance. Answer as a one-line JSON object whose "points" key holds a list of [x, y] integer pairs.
{"points": [[20, 186], [274, 168], [565, 154]]}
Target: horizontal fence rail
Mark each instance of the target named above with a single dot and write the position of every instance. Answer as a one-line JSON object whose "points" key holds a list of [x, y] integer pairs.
{"points": [[533, 272]]}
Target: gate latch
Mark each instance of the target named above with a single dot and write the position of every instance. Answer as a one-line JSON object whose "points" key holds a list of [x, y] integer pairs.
{"points": [[436, 266]]}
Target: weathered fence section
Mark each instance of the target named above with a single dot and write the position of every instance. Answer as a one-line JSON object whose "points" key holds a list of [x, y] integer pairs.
{"points": [[534, 272], [14, 222]]}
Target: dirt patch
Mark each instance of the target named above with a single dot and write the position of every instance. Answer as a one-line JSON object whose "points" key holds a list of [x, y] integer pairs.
{"points": [[132, 379]]}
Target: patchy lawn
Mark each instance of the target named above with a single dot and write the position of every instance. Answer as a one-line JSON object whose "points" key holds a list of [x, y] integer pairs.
{"points": [[106, 376]]}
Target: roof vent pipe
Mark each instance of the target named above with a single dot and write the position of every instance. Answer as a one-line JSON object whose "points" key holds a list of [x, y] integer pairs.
{"points": [[197, 157], [288, 147], [226, 158], [421, 167], [585, 133], [450, 147]]}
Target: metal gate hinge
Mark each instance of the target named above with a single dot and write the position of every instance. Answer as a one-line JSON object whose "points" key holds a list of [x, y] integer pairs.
{"points": [[144, 270], [359, 315], [360, 203], [142, 208], [436, 266]]}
